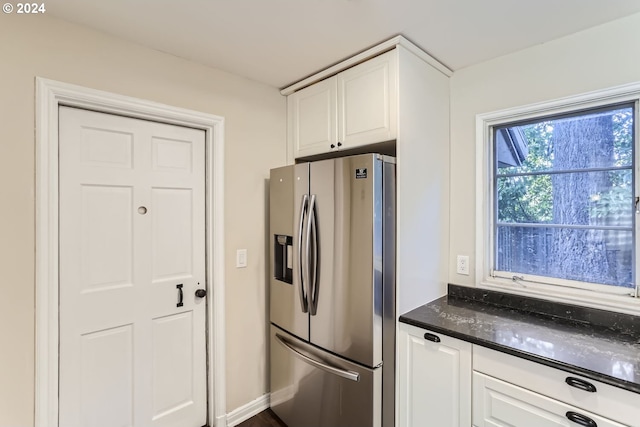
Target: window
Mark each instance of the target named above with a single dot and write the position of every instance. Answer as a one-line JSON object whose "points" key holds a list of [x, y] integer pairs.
{"points": [[559, 190]]}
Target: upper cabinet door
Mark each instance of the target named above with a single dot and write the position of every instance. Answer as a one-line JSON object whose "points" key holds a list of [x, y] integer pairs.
{"points": [[312, 117], [353, 108], [367, 102]]}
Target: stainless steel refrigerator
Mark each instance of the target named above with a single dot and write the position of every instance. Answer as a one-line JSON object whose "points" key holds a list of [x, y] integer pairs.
{"points": [[332, 292]]}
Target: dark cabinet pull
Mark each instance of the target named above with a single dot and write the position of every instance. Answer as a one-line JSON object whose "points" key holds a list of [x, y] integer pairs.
{"points": [[580, 419], [201, 293], [431, 337], [180, 295], [333, 146], [339, 144], [581, 384]]}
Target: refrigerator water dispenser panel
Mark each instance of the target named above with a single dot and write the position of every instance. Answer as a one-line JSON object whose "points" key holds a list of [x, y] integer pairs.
{"points": [[283, 258]]}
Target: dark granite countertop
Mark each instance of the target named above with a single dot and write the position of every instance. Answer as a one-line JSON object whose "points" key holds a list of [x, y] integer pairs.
{"points": [[596, 344]]}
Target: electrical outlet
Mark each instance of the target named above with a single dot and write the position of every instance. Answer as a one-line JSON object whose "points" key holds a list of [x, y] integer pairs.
{"points": [[462, 266]]}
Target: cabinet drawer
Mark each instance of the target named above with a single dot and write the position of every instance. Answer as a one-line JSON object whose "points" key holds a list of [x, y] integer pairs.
{"points": [[498, 403], [608, 401]]}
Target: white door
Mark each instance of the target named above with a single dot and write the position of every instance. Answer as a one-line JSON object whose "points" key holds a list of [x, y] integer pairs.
{"points": [[132, 247]]}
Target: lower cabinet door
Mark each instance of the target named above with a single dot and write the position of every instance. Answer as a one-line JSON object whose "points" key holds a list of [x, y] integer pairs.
{"points": [[498, 404], [434, 379]]}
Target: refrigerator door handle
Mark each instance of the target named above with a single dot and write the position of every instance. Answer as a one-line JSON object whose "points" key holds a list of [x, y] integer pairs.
{"points": [[300, 270], [349, 375], [312, 257]]}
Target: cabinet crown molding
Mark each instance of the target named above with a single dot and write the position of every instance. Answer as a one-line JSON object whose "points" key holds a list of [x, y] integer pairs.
{"points": [[385, 46]]}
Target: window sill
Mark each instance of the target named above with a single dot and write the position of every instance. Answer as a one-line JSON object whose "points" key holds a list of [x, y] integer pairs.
{"points": [[580, 297]]}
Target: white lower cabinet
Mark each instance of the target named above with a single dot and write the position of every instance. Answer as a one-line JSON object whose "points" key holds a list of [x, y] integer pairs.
{"points": [[497, 403], [440, 380], [434, 373], [601, 402]]}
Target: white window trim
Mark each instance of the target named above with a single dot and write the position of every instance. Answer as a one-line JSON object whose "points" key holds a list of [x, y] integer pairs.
{"points": [[484, 189]]}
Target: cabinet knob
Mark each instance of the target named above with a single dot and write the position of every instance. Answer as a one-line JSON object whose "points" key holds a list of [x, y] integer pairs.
{"points": [[333, 146], [339, 144]]}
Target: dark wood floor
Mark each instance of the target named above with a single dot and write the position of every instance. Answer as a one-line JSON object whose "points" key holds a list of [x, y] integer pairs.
{"points": [[265, 418]]}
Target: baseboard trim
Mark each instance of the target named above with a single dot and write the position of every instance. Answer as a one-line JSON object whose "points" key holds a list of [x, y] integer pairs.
{"points": [[247, 411]]}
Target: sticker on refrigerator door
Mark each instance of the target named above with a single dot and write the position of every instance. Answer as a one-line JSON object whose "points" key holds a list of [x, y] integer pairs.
{"points": [[361, 173]]}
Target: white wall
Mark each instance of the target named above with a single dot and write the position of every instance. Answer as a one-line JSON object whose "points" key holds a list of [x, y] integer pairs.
{"points": [[601, 57], [255, 141]]}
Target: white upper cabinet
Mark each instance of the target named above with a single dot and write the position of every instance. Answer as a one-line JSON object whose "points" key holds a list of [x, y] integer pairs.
{"points": [[313, 118], [353, 108], [367, 99]]}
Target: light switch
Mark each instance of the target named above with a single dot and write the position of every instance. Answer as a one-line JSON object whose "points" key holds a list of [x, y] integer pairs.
{"points": [[241, 258]]}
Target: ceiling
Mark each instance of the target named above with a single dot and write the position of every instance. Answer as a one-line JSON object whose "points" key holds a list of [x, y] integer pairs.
{"points": [[279, 42]]}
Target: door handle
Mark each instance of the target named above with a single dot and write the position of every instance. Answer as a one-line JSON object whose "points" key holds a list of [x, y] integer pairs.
{"points": [[312, 257], [201, 293], [180, 295], [350, 375], [300, 269]]}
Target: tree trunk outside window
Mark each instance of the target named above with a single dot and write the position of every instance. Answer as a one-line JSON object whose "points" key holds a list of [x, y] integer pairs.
{"points": [[581, 254]]}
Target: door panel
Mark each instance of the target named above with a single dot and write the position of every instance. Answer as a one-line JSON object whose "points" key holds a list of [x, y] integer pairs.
{"points": [[107, 148], [173, 363], [348, 320], [172, 223], [131, 230], [172, 155], [107, 230], [107, 376]]}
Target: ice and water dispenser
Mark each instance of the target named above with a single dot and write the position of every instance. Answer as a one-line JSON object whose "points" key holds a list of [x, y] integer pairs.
{"points": [[283, 258]]}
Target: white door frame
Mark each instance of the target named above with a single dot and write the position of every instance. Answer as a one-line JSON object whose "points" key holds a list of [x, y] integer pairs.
{"points": [[49, 95]]}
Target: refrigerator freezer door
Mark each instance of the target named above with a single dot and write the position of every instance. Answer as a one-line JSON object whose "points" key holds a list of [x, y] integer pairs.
{"points": [[288, 200], [346, 303], [311, 388]]}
